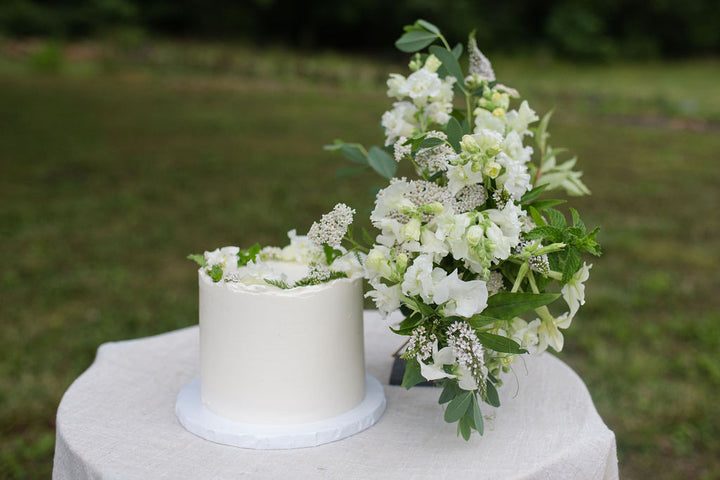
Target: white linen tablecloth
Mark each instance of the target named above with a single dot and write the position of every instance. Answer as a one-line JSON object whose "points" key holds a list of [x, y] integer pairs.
{"points": [[117, 421]]}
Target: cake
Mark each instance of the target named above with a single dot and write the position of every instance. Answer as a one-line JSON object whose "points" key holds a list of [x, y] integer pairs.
{"points": [[281, 356], [281, 333]]}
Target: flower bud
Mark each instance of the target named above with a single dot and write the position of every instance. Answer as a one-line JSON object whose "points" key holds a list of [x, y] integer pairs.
{"points": [[432, 63], [376, 261], [469, 144], [401, 261], [492, 169], [411, 230], [474, 234]]}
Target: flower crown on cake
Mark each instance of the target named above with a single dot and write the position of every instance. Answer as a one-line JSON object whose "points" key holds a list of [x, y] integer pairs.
{"points": [[468, 251], [320, 251]]}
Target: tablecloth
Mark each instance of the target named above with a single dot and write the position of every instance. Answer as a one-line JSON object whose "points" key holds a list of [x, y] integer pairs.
{"points": [[117, 421]]}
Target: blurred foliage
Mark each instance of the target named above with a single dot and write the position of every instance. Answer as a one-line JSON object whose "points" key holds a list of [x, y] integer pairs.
{"points": [[573, 28]]}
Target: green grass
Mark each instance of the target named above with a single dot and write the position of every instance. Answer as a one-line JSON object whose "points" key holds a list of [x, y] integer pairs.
{"points": [[112, 170]]}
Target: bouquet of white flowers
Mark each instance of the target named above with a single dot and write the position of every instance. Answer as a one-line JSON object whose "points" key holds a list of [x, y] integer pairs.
{"points": [[468, 250]]}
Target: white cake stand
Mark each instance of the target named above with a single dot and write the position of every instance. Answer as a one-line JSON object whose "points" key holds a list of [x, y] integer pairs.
{"points": [[198, 419]]}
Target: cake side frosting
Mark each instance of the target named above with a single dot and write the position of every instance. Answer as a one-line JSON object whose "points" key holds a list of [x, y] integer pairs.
{"points": [[273, 356]]}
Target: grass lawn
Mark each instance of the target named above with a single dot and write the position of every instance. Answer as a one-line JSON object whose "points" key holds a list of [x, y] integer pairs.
{"points": [[111, 173]]}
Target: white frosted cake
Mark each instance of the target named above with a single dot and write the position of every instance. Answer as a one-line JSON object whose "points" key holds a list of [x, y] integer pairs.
{"points": [[281, 356]]}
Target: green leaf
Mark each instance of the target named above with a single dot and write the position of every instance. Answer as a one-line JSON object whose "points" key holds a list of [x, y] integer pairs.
{"points": [[350, 171], [457, 407], [553, 234], [576, 220], [477, 415], [572, 264], [533, 194], [480, 320], [450, 391], [535, 214], [500, 343], [557, 219], [248, 255], [464, 429], [198, 258], [418, 306], [491, 394], [353, 153], [415, 40], [278, 283], [331, 254], [430, 142], [216, 273], [412, 374], [382, 162], [428, 26], [454, 133], [450, 63], [507, 305], [541, 205], [457, 50], [412, 321]]}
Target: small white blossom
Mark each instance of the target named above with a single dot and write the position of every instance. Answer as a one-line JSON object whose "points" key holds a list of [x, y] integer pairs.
{"points": [[574, 291], [332, 226]]}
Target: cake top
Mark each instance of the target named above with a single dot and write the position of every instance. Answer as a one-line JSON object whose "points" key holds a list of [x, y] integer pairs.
{"points": [[308, 260]]}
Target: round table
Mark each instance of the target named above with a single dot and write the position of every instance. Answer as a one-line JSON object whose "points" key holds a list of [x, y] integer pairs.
{"points": [[117, 421]]}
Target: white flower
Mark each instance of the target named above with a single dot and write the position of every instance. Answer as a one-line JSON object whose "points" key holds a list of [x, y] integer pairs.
{"points": [[485, 120], [501, 245], [515, 179], [418, 278], [420, 86], [224, 257], [549, 333], [399, 121], [387, 298], [438, 112], [435, 371], [524, 333], [513, 148], [349, 264], [509, 221], [300, 249], [378, 264], [332, 227], [464, 298], [460, 176], [574, 291], [518, 120], [395, 83]]}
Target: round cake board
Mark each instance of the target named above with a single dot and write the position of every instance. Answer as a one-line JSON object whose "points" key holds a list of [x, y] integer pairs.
{"points": [[199, 420]]}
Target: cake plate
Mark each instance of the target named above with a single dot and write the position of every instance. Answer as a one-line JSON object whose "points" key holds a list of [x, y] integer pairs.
{"points": [[199, 420]]}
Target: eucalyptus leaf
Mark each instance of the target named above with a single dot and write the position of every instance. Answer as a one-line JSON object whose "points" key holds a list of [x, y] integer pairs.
{"points": [[477, 415], [457, 50], [353, 153], [430, 142], [507, 305], [428, 26], [412, 374], [415, 40], [491, 394], [454, 133], [450, 391], [450, 63], [457, 407], [382, 162], [464, 429]]}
